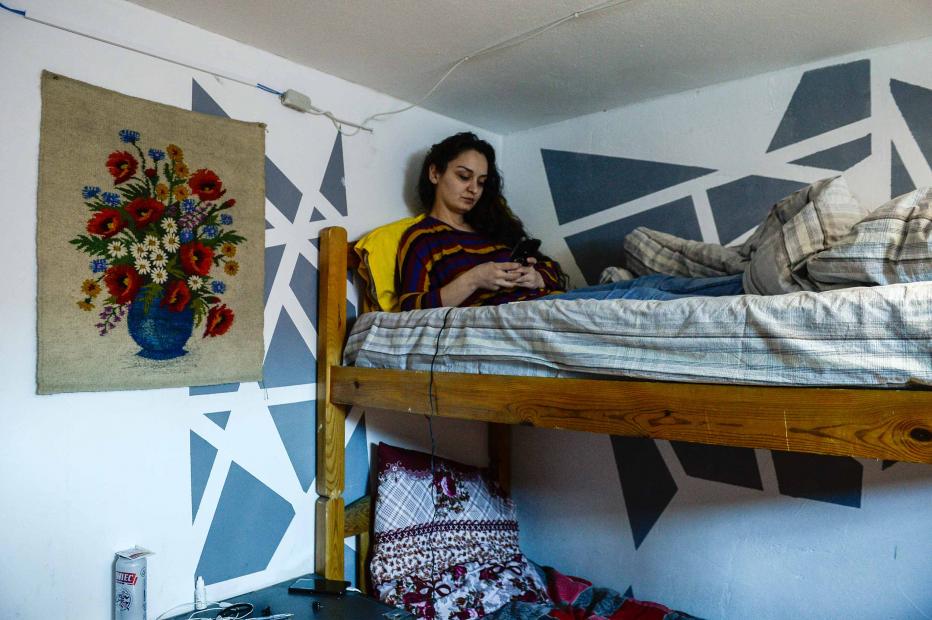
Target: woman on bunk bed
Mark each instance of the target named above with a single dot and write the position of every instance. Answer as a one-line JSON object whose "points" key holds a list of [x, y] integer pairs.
{"points": [[460, 254]]}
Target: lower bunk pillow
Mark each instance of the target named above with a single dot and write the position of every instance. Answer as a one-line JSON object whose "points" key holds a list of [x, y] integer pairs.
{"points": [[446, 539], [577, 599]]}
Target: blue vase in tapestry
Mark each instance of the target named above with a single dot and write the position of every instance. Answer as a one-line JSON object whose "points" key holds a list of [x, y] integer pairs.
{"points": [[160, 331]]}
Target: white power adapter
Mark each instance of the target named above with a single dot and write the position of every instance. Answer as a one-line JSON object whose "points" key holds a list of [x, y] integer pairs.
{"points": [[296, 101]]}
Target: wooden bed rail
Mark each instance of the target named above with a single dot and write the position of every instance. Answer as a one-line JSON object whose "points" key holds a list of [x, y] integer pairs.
{"points": [[871, 423]]}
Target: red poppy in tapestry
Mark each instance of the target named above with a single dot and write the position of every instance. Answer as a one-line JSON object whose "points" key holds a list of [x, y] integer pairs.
{"points": [[123, 282], [196, 258], [145, 211], [106, 223], [206, 184], [219, 321], [177, 296], [122, 166]]}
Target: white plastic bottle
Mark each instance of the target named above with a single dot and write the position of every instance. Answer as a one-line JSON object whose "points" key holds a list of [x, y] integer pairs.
{"points": [[200, 594]]}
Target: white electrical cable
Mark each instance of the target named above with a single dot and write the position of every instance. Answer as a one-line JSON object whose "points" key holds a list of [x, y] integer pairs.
{"points": [[337, 122], [501, 45]]}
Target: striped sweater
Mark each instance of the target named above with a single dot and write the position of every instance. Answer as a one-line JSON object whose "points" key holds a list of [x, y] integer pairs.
{"points": [[432, 254]]}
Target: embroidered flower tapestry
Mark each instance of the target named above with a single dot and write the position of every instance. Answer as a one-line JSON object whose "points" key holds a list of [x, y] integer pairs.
{"points": [[150, 243]]}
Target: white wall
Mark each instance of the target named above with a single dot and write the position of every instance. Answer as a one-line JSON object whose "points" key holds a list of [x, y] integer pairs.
{"points": [[719, 550], [84, 475]]}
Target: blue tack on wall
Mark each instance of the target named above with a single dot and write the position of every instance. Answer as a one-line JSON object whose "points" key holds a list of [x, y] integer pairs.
{"points": [[900, 181], [288, 360], [915, 104], [839, 157], [333, 186], [582, 184], [202, 461], [280, 191], [597, 248], [740, 205], [220, 418], [825, 99], [729, 465], [296, 424], [646, 483], [273, 259], [832, 479], [248, 526], [304, 286]]}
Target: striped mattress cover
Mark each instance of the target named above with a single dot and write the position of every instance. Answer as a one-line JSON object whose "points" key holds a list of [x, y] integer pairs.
{"points": [[865, 336]]}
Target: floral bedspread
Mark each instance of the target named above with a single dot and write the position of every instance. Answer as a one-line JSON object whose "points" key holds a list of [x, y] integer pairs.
{"points": [[576, 599]]}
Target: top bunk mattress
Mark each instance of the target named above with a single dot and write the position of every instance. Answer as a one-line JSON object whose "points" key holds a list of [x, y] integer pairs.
{"points": [[867, 336]]}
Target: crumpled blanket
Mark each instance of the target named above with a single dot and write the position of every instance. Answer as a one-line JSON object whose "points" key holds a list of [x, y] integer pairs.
{"points": [[576, 599]]}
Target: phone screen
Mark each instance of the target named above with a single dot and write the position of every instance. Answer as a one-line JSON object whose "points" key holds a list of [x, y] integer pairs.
{"points": [[524, 249], [318, 585]]}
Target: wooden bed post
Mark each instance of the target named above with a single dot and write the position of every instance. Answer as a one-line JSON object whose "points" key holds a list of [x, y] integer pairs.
{"points": [[331, 418]]}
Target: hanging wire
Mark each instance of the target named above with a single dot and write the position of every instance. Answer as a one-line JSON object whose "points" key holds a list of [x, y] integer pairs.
{"points": [[337, 122]]}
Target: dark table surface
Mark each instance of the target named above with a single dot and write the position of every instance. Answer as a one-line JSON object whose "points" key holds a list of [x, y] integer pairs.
{"points": [[277, 600]]}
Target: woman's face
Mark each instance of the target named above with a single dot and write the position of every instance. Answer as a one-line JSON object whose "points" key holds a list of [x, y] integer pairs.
{"points": [[459, 187]]}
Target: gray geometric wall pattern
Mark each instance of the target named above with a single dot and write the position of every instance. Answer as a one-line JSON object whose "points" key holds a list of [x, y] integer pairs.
{"points": [[900, 181], [914, 103], [582, 184], [824, 99], [594, 248], [239, 542], [839, 157]]}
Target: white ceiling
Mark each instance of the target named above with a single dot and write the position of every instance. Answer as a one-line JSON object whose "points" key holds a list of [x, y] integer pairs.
{"points": [[637, 50]]}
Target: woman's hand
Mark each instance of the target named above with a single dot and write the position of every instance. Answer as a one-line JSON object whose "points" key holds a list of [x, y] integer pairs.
{"points": [[489, 276], [528, 277], [495, 276]]}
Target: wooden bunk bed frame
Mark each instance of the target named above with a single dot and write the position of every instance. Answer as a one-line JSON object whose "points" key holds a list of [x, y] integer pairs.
{"points": [[894, 424]]}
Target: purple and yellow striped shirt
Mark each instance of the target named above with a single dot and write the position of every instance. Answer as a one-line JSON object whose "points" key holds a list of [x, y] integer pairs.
{"points": [[432, 254]]}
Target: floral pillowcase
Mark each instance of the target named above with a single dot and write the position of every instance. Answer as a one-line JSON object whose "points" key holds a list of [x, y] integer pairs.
{"points": [[445, 539]]}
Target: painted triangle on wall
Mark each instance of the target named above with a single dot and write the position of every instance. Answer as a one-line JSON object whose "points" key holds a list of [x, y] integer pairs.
{"points": [[825, 99], [582, 184]]}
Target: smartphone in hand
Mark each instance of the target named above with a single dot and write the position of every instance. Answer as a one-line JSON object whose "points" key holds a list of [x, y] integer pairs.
{"points": [[524, 249]]}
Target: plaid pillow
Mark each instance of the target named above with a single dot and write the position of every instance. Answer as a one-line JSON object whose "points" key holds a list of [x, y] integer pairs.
{"points": [[445, 538], [798, 227], [892, 245], [650, 251]]}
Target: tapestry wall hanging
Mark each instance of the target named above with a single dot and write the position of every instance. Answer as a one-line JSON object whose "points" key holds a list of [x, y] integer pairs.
{"points": [[150, 243]]}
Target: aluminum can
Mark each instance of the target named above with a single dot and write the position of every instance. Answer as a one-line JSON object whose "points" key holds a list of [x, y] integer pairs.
{"points": [[129, 587]]}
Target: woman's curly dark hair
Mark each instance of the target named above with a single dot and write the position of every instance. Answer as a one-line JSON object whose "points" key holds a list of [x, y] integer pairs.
{"points": [[491, 215]]}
